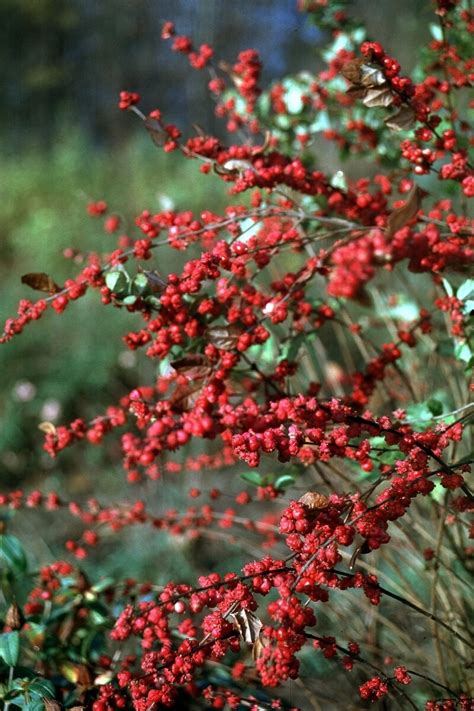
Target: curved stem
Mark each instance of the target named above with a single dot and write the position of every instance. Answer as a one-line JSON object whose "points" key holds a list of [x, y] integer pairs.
{"points": [[418, 609]]}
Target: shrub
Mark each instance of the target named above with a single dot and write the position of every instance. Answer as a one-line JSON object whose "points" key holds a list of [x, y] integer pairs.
{"points": [[316, 344]]}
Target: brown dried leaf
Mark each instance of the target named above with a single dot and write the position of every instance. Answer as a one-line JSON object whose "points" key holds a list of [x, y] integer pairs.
{"points": [[185, 397], [84, 677], [260, 643], [51, 704], [224, 338], [402, 120], [14, 619], [351, 70], [47, 428], [83, 582], [193, 366], [225, 66], [199, 130], [401, 215], [356, 91], [257, 150], [40, 282], [378, 96], [313, 500], [157, 134], [363, 549], [371, 76], [155, 282], [66, 628], [247, 624], [234, 166]]}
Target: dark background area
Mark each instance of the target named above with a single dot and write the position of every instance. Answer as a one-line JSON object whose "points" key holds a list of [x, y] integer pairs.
{"points": [[63, 62]]}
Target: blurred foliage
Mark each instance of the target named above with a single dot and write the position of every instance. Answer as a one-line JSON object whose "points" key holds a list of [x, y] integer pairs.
{"points": [[66, 60], [42, 212], [72, 366]]}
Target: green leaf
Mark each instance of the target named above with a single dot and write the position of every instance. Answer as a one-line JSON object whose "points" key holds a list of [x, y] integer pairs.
{"points": [[264, 352], [436, 32], [30, 704], [468, 306], [419, 412], [153, 300], [446, 347], [463, 352], [41, 687], [339, 180], [321, 122], [12, 554], [10, 647], [435, 407], [129, 300], [359, 35], [102, 585], [447, 287], [98, 614], [284, 481], [465, 290], [253, 478], [293, 98], [249, 227], [116, 281], [283, 121], [140, 282], [438, 493], [467, 459], [404, 310]]}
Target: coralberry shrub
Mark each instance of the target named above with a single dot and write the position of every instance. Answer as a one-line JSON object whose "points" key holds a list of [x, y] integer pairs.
{"points": [[311, 369]]}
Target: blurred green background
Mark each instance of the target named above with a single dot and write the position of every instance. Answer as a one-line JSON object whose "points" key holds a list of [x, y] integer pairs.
{"points": [[64, 143]]}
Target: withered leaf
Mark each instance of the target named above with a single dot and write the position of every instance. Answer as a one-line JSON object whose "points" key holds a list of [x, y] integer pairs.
{"points": [[47, 428], [402, 120], [155, 282], [157, 134], [51, 704], [401, 215], [40, 282], [247, 624], [193, 366], [371, 76], [259, 646], [223, 337], [84, 677], [185, 397], [83, 582], [14, 617], [66, 628], [363, 549], [256, 150], [379, 96], [233, 166], [313, 500], [356, 91], [351, 70], [199, 130]]}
